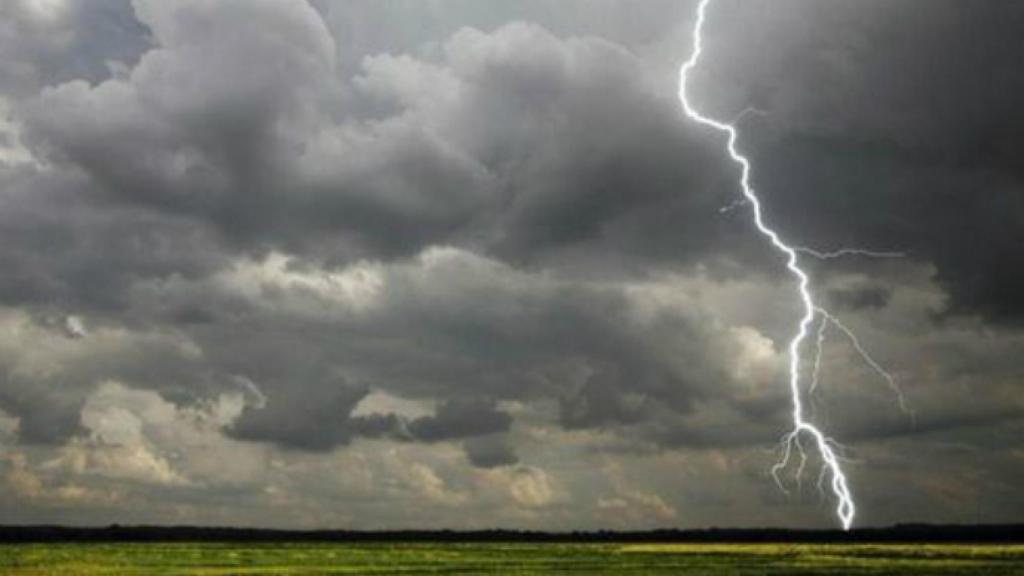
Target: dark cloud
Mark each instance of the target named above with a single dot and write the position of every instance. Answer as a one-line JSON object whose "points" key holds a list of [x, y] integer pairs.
{"points": [[858, 297], [520, 152], [461, 419], [315, 422], [862, 145], [490, 451], [47, 374], [48, 43], [601, 401], [457, 327]]}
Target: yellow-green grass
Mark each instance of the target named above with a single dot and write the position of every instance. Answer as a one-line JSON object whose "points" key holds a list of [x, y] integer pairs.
{"points": [[521, 559]]}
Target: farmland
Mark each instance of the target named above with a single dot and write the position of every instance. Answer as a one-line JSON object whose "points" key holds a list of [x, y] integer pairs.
{"points": [[494, 558]]}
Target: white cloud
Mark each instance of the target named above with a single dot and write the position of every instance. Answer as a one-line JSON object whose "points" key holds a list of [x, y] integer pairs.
{"points": [[529, 486]]}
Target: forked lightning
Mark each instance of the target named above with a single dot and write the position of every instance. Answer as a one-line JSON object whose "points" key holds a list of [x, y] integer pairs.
{"points": [[802, 427]]}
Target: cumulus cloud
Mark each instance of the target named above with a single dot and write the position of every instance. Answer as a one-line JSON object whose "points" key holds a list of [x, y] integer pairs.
{"points": [[47, 376]]}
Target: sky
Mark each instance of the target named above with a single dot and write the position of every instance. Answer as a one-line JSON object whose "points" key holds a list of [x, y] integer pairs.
{"points": [[466, 264]]}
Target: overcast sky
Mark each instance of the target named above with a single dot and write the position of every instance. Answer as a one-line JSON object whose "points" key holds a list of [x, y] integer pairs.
{"points": [[465, 264]]}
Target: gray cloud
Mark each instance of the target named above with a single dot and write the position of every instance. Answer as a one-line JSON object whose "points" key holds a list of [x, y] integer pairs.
{"points": [[858, 297], [460, 418], [490, 451], [912, 157], [48, 43], [454, 326], [311, 421]]}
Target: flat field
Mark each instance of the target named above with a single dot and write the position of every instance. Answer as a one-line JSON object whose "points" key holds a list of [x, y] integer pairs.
{"points": [[521, 559]]}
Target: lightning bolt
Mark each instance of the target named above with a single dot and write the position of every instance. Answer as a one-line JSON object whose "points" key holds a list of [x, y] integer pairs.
{"points": [[802, 428]]}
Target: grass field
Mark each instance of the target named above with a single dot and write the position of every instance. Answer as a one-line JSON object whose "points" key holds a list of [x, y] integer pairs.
{"points": [[522, 559]]}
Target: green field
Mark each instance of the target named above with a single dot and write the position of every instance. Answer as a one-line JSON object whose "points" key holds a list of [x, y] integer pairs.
{"points": [[581, 559]]}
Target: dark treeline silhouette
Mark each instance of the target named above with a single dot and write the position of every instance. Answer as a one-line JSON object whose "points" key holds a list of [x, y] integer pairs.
{"points": [[898, 533]]}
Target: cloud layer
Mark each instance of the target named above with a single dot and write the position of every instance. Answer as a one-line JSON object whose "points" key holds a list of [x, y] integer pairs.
{"points": [[308, 264]]}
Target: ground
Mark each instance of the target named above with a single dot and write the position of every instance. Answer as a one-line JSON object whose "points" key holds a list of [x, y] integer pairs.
{"points": [[522, 559]]}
